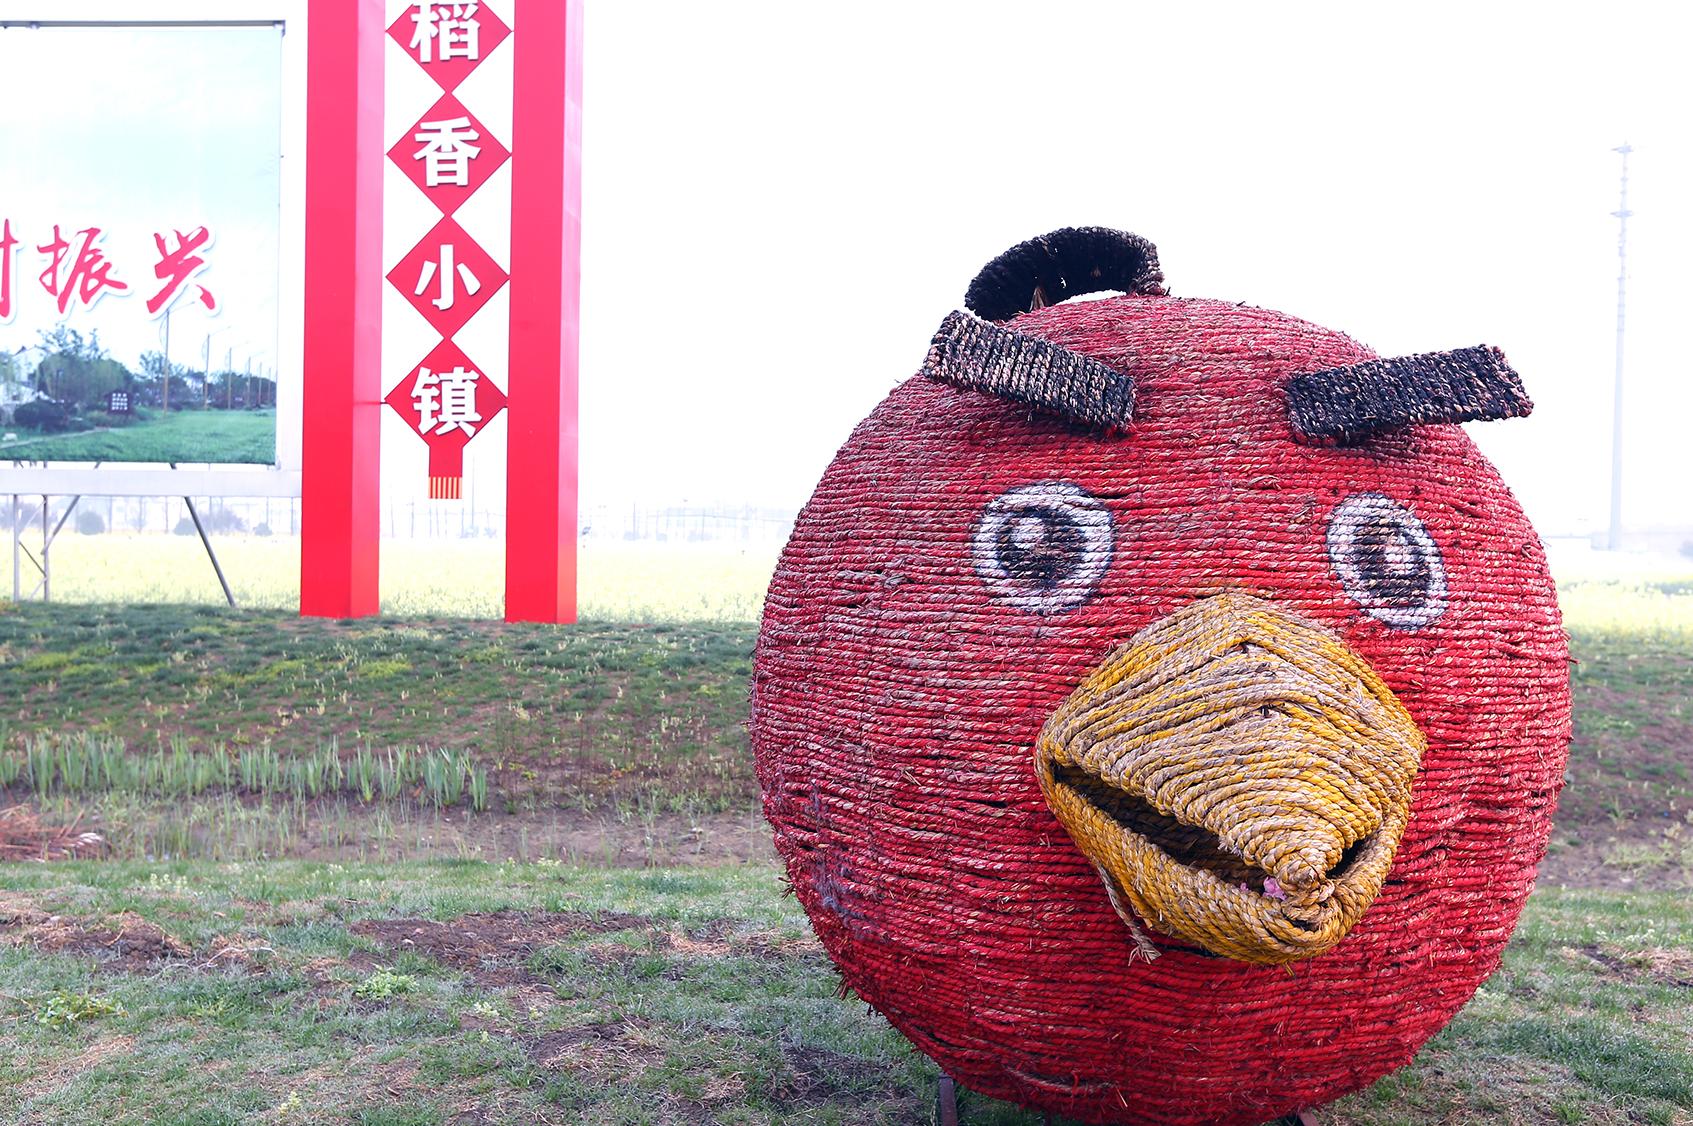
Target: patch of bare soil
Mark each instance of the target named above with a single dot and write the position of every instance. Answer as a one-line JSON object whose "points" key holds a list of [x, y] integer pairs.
{"points": [[240, 951], [1652, 964], [24, 837], [1635, 856], [812, 1075], [715, 939], [71, 1066], [493, 947], [563, 1045], [129, 943]]}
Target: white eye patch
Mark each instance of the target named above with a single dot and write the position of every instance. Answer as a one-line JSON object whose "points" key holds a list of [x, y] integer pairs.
{"points": [[1043, 547], [1386, 561]]}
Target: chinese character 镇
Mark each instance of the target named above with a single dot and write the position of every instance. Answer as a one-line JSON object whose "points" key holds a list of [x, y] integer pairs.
{"points": [[451, 30], [446, 400], [176, 266], [446, 151], [89, 276], [8, 245], [444, 301]]}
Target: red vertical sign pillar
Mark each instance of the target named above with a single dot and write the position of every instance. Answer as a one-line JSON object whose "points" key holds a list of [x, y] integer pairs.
{"points": [[546, 240], [340, 469]]}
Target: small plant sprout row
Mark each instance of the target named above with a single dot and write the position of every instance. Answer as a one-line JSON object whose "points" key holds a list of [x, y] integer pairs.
{"points": [[87, 763]]}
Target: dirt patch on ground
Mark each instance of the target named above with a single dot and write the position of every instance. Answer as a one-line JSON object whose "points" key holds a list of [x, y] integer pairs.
{"points": [[19, 911], [68, 1068], [812, 1075], [24, 837], [1633, 856], [493, 947], [241, 951], [126, 942], [1649, 964], [563, 1045]]}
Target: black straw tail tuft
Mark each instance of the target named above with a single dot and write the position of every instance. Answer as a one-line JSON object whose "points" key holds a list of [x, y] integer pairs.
{"points": [[1063, 264]]}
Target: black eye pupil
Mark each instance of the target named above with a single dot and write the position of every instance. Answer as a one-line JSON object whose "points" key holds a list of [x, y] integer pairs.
{"points": [[1392, 564], [1386, 561], [1040, 547]]}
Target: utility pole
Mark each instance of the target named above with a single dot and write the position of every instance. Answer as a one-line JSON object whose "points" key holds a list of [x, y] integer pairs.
{"points": [[206, 376], [1622, 213]]}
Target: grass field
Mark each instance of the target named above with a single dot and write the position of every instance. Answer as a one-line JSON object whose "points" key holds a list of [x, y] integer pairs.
{"points": [[648, 582], [645, 719], [456, 992], [586, 716], [645, 969], [247, 437], [450, 578]]}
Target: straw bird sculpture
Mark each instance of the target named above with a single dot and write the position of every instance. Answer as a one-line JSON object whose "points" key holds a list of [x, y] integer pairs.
{"points": [[1161, 704]]}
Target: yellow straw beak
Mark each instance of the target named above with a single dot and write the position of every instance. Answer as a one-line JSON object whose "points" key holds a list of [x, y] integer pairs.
{"points": [[1238, 776]]}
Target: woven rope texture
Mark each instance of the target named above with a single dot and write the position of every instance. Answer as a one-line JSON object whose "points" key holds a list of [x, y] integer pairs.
{"points": [[1268, 852], [970, 352], [1350, 404], [1060, 265], [1256, 661]]}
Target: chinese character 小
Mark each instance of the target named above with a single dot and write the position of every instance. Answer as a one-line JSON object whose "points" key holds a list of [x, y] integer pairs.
{"points": [[444, 301]]}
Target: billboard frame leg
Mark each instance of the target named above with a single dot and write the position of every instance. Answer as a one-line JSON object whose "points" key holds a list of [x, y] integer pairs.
{"points": [[206, 542], [44, 565]]}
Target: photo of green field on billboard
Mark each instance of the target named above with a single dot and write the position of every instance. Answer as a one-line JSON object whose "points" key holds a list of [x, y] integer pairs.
{"points": [[139, 246]]}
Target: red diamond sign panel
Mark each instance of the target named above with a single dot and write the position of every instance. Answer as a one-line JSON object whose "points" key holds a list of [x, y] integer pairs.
{"points": [[456, 399], [448, 40], [448, 154], [447, 400], [447, 277]]}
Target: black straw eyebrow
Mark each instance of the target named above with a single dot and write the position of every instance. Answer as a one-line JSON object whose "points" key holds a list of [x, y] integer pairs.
{"points": [[970, 352], [1347, 405]]}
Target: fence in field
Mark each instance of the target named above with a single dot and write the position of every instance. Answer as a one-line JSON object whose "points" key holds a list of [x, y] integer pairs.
{"points": [[650, 522]]}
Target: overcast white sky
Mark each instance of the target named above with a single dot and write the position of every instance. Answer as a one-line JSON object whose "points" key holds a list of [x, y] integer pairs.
{"points": [[783, 199]]}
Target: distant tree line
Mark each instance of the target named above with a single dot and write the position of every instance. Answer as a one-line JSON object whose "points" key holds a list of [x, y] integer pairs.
{"points": [[75, 376]]}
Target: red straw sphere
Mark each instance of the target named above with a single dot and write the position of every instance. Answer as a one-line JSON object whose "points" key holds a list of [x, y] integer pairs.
{"points": [[897, 697]]}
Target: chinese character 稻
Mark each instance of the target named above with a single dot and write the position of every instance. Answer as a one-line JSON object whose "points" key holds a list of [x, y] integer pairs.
{"points": [[446, 400], [446, 151], [177, 266], [444, 301], [90, 273], [450, 30]]}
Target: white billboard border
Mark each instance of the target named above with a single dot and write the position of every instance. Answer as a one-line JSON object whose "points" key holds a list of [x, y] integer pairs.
{"points": [[282, 479]]}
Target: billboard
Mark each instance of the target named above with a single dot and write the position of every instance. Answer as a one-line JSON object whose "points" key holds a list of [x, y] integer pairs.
{"points": [[140, 244]]}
